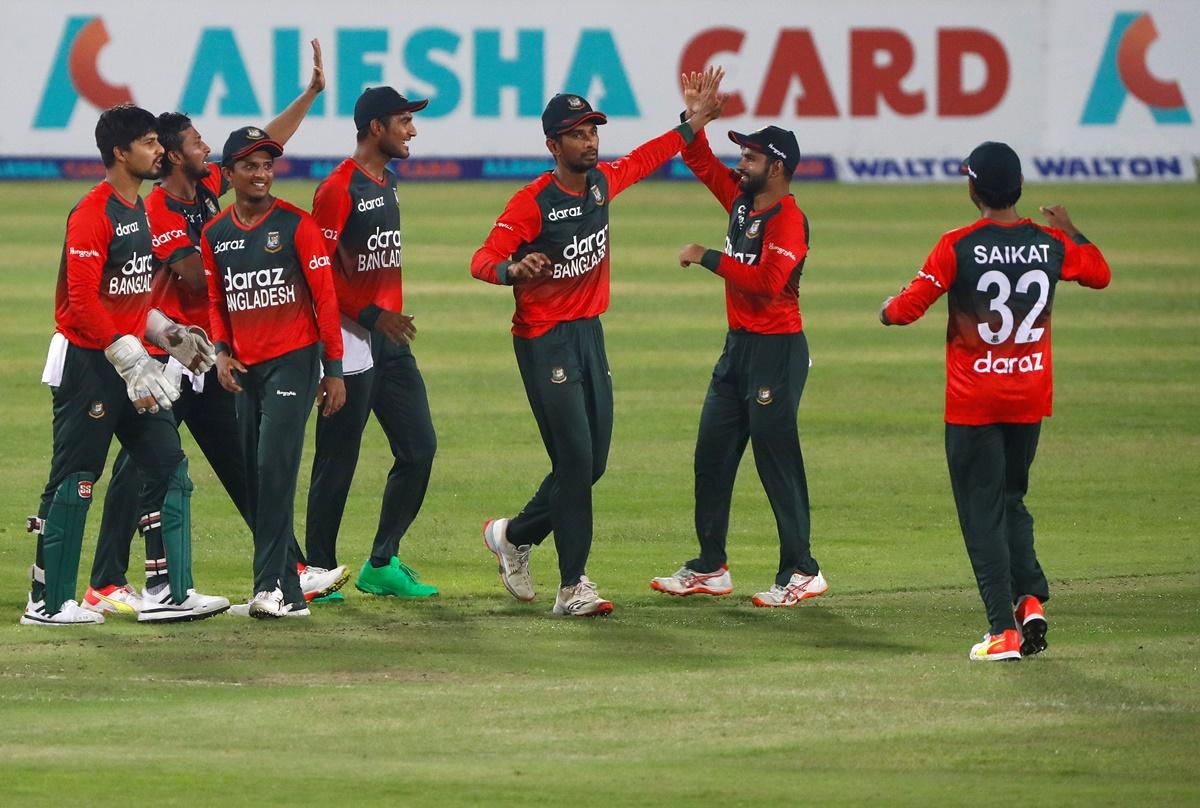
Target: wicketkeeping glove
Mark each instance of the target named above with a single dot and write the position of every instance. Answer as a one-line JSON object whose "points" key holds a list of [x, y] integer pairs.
{"points": [[189, 345], [143, 375]]}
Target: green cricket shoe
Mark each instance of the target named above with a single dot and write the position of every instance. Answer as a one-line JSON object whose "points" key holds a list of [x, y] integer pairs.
{"points": [[397, 579], [332, 597]]}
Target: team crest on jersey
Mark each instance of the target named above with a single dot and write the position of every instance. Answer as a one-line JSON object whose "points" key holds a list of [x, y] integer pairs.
{"points": [[764, 395], [211, 206], [754, 229], [597, 195], [273, 245], [96, 410], [558, 375]]}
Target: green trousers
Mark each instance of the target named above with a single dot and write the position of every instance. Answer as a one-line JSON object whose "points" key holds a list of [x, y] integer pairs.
{"points": [[989, 474], [569, 387], [277, 396], [754, 396], [394, 390], [90, 407], [211, 417]]}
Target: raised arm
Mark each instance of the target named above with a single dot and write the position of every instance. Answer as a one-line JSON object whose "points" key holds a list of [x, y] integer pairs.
{"points": [[284, 126], [1082, 260]]}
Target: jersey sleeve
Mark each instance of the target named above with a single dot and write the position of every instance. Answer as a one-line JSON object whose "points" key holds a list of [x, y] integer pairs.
{"points": [[784, 246], [170, 234], [520, 223], [644, 160], [88, 236], [318, 272], [933, 280], [215, 181], [218, 313], [331, 210], [1083, 262], [716, 176]]}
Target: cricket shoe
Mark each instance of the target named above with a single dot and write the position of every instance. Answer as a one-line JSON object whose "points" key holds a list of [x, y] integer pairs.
{"points": [[1031, 620], [161, 607], [998, 647], [112, 599], [317, 582], [581, 600], [396, 580], [332, 597], [512, 561], [800, 587], [266, 605], [291, 610], [689, 582], [71, 614]]}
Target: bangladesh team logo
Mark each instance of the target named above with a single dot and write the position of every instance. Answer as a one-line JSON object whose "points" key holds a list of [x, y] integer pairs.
{"points": [[574, 102], [273, 242], [211, 206], [1124, 70], [96, 410], [754, 229], [764, 396], [558, 376], [597, 195]]}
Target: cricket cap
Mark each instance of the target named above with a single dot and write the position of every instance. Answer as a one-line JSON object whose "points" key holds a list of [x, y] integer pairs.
{"points": [[380, 102], [776, 143], [566, 111], [994, 167], [246, 141]]}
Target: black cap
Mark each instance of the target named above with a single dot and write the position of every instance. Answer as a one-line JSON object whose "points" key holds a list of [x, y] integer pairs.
{"points": [[776, 143], [248, 140], [994, 167], [380, 102], [566, 111]]}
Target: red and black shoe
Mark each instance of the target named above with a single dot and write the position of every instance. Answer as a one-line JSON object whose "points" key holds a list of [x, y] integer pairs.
{"points": [[1031, 620]]}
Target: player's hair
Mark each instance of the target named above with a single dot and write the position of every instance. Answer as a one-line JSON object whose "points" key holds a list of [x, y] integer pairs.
{"points": [[995, 201], [119, 127], [170, 127]]}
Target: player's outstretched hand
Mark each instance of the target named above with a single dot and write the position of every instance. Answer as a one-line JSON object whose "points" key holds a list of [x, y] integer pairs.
{"points": [[701, 94], [691, 254], [534, 265], [316, 84], [331, 395], [883, 310], [226, 366], [397, 327], [1056, 216]]}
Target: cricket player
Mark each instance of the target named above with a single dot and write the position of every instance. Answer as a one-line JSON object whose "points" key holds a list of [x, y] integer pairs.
{"points": [[104, 383], [755, 391], [273, 315], [1000, 274], [186, 198], [551, 245], [358, 209]]}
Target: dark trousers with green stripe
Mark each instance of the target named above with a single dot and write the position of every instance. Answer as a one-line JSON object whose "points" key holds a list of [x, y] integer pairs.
{"points": [[569, 387], [394, 390], [989, 473], [90, 407], [754, 396], [272, 413], [211, 417]]}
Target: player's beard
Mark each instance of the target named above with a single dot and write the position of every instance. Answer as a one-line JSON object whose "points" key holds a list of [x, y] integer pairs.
{"points": [[153, 173], [752, 184], [583, 164], [197, 173]]}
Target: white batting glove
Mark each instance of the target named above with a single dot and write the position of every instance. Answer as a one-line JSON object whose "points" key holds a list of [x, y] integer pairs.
{"points": [[142, 374], [189, 345]]}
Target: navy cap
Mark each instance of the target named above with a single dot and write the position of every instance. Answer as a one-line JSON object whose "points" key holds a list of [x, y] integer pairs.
{"points": [[248, 140], [380, 102], [776, 143], [994, 167], [565, 111]]}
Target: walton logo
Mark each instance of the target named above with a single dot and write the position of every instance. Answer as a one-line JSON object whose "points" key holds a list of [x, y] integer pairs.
{"points": [[1123, 70], [74, 75]]}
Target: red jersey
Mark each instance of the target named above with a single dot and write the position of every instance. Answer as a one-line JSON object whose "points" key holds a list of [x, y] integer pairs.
{"points": [[104, 273], [359, 216], [269, 286], [572, 231], [764, 251], [1001, 279]]}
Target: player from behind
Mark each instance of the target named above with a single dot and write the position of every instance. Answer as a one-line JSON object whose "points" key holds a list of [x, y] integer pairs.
{"points": [[358, 210], [104, 384], [273, 312], [551, 245], [755, 391], [185, 199], [1000, 274]]}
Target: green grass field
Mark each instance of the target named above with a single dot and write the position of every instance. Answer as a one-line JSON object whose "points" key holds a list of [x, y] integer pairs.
{"points": [[862, 696]]}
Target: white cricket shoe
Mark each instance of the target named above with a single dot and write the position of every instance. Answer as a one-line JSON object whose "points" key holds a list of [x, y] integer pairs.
{"points": [[513, 561], [71, 614], [291, 611], [266, 604], [581, 600], [689, 582], [317, 582], [112, 599], [800, 587], [160, 607]]}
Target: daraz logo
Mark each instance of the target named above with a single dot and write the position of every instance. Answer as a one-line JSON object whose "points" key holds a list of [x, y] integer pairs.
{"points": [[1123, 70], [74, 75]]}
